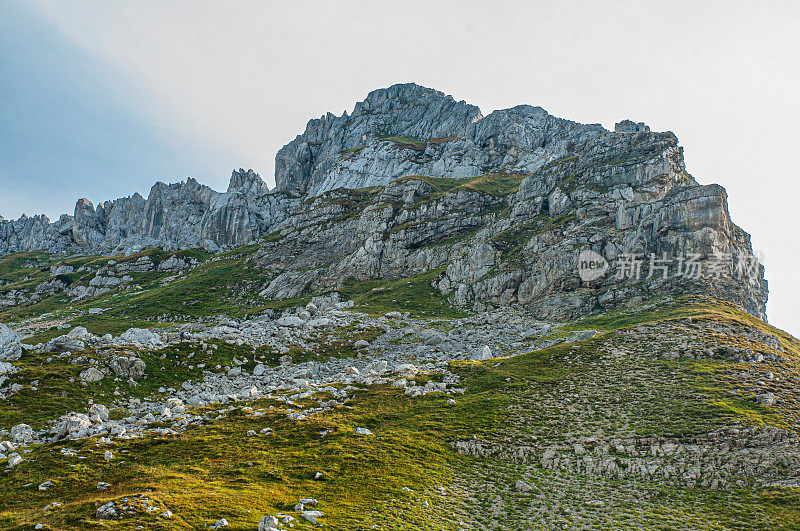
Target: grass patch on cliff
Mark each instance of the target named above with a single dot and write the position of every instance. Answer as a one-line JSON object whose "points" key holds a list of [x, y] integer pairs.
{"points": [[500, 184], [227, 285], [413, 294]]}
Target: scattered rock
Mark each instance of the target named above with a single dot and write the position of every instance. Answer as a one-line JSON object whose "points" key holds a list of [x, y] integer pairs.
{"points": [[91, 375], [522, 486]]}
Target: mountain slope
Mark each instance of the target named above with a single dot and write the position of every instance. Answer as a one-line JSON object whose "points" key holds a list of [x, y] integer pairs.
{"points": [[656, 419], [437, 320]]}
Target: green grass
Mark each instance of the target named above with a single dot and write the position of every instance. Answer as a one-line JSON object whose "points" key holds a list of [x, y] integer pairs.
{"points": [[495, 184], [216, 471], [413, 294], [512, 241], [226, 286]]}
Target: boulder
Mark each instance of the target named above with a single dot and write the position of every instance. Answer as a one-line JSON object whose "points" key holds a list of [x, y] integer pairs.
{"points": [[98, 413], [64, 343], [91, 375], [291, 320], [139, 337], [128, 367], [73, 426], [268, 523], [360, 344], [22, 434], [376, 367], [107, 510], [432, 337], [10, 345]]}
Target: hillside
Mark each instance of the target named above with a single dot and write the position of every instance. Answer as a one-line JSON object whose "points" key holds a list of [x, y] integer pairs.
{"points": [[437, 320]]}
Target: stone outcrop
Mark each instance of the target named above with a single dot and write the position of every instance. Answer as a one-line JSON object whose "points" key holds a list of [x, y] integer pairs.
{"points": [[537, 190]]}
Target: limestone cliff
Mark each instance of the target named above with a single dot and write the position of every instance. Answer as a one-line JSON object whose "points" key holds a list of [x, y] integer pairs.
{"points": [[499, 207]]}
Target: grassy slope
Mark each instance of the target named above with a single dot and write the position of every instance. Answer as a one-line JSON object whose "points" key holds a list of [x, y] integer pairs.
{"points": [[220, 472]]}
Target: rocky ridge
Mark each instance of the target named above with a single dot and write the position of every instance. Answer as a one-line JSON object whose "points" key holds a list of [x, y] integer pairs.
{"points": [[413, 181]]}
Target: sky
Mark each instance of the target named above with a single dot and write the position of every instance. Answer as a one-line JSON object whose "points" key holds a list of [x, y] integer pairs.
{"points": [[100, 99]]}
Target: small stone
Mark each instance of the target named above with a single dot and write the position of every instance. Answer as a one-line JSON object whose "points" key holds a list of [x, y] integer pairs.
{"points": [[267, 523], [362, 431], [767, 399], [106, 511], [522, 486]]}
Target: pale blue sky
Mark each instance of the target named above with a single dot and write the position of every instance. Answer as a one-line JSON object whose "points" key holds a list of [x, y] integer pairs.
{"points": [[102, 98], [71, 129]]}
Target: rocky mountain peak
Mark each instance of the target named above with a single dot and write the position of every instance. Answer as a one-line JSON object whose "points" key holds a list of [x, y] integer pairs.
{"points": [[247, 182], [404, 111]]}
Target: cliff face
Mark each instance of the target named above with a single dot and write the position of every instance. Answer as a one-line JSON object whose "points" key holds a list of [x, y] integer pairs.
{"points": [[498, 208], [182, 215], [317, 160]]}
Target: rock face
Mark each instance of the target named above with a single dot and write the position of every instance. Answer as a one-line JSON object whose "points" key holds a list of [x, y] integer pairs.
{"points": [[502, 206], [180, 216], [184, 215], [313, 162]]}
